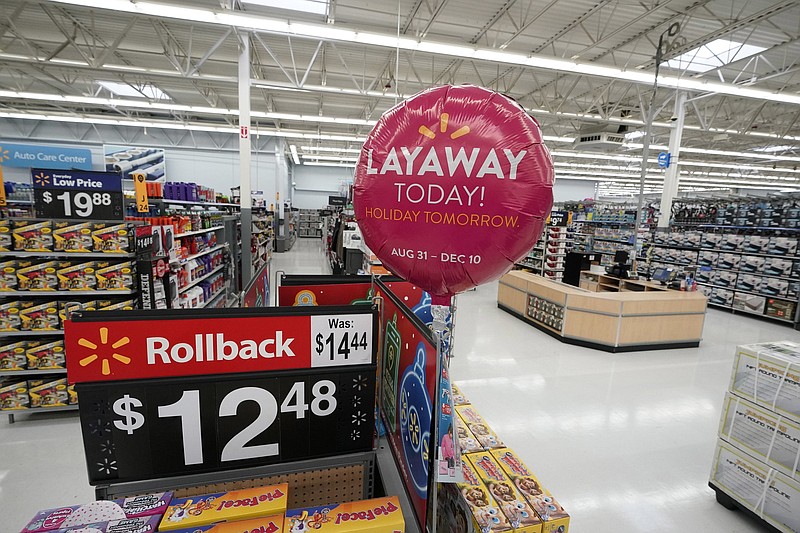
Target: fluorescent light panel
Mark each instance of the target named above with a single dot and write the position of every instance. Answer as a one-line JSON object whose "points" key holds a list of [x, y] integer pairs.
{"points": [[715, 54], [147, 90], [293, 150]]}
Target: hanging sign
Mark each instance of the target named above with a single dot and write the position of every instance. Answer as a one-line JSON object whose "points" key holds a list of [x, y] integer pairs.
{"points": [[452, 187], [77, 194], [36, 155], [140, 191]]}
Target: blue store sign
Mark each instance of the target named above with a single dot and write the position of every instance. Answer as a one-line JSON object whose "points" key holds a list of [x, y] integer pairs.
{"points": [[53, 157]]}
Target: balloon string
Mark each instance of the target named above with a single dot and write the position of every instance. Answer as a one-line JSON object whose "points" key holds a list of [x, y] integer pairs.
{"points": [[397, 59]]}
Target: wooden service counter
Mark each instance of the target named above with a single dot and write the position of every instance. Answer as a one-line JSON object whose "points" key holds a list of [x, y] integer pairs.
{"points": [[630, 320]]}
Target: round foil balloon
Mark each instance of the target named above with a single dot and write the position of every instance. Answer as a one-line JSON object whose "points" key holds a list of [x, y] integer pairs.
{"points": [[452, 187]]}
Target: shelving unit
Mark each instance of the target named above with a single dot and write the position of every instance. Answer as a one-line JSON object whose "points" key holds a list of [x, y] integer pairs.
{"points": [[200, 254], [198, 232], [287, 231], [201, 278], [310, 224]]}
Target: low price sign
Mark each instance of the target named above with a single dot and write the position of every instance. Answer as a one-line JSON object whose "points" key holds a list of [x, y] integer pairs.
{"points": [[77, 194], [252, 388]]}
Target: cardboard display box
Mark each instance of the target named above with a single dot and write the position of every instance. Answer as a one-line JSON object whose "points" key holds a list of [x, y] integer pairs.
{"points": [[768, 374], [487, 438], [72, 237], [33, 235], [484, 514], [379, 515]]}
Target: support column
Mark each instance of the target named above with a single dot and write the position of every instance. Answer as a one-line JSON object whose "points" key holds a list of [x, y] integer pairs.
{"points": [[244, 157], [672, 175]]}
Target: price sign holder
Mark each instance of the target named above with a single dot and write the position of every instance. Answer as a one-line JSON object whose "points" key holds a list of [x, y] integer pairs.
{"points": [[77, 194]]}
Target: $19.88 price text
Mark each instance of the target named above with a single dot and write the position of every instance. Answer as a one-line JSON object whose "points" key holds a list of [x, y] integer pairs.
{"points": [[82, 203]]}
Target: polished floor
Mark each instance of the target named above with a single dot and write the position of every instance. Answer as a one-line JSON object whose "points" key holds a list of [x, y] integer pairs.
{"points": [[624, 441]]}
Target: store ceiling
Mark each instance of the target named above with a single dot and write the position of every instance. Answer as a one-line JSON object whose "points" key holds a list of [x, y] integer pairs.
{"points": [[316, 77]]}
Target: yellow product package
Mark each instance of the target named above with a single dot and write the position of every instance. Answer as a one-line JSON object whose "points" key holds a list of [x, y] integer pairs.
{"points": [[554, 517], [225, 507], [487, 438], [486, 515], [513, 505], [379, 515], [267, 524]]}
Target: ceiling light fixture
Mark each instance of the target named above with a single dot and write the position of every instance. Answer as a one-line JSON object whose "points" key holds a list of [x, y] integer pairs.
{"points": [[293, 150]]}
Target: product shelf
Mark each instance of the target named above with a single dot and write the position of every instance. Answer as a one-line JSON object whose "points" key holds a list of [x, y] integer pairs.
{"points": [[43, 294], [753, 293], [12, 413], [19, 202], [198, 232], [191, 203], [76, 255], [709, 249], [211, 300], [199, 254], [36, 332], [201, 278], [736, 309], [12, 373]]}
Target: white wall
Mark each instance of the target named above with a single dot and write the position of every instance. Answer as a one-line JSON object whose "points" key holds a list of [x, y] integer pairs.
{"points": [[313, 185]]}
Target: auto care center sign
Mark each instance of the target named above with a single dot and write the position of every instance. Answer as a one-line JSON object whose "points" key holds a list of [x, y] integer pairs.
{"points": [[44, 156]]}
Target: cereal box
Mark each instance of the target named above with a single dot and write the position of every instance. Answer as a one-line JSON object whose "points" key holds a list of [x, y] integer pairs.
{"points": [[225, 507], [487, 438], [379, 515], [39, 317], [458, 396], [12, 356], [38, 276], [513, 505], [466, 440], [112, 239], [267, 524], [555, 519], [145, 505], [46, 356], [486, 516], [8, 276], [116, 276], [79, 277], [33, 235], [71, 237], [6, 239], [14, 395], [51, 394], [768, 374]]}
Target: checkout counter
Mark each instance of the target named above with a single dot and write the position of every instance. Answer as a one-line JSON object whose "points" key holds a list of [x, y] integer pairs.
{"points": [[606, 313]]}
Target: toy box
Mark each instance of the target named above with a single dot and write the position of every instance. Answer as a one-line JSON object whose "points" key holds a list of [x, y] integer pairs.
{"points": [[43, 316], [79, 277], [268, 524], [749, 302], [768, 374], [765, 435], [225, 507], [379, 515], [12, 356], [6, 238], [50, 394], [116, 276], [513, 505], [767, 492], [478, 426], [33, 235], [14, 395], [8, 276], [485, 515], [458, 396], [555, 519], [46, 356], [37, 276], [466, 440], [71, 237], [113, 239]]}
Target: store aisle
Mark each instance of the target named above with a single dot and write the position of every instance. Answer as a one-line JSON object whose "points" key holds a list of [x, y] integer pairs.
{"points": [[624, 441]]}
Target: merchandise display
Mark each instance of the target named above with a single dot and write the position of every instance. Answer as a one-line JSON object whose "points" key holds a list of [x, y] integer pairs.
{"points": [[379, 515]]}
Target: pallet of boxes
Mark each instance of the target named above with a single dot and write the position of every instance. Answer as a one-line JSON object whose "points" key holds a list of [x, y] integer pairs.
{"points": [[499, 492], [755, 466]]}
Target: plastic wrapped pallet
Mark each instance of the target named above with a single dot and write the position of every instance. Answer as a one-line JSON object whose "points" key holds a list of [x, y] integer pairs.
{"points": [[768, 374]]}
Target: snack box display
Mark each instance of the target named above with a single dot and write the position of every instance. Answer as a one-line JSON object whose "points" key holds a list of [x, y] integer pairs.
{"points": [[8, 276], [225, 507], [72, 237], [46, 356], [37, 276], [466, 440], [379, 515], [112, 239], [145, 505], [51, 394], [38, 317], [555, 519], [33, 235], [79, 277], [486, 516], [116, 276], [478, 426], [458, 396], [744, 478], [513, 505], [12, 356], [14, 395], [267, 524], [767, 436], [6, 238], [768, 374]]}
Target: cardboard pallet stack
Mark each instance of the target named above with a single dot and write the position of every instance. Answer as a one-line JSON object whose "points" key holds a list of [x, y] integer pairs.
{"points": [[755, 464]]}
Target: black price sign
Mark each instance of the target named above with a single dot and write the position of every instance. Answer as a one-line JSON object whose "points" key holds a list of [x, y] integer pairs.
{"points": [[145, 429], [77, 194]]}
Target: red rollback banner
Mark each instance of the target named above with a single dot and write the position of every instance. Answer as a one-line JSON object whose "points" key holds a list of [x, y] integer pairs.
{"points": [[452, 187]]}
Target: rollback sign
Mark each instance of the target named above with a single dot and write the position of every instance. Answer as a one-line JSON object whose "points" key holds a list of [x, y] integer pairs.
{"points": [[452, 187]]}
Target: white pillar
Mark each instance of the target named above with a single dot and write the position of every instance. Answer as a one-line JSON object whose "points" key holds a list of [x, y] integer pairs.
{"points": [[244, 156], [672, 175]]}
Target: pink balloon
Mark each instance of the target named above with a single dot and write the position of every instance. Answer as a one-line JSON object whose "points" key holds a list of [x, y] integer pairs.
{"points": [[453, 186]]}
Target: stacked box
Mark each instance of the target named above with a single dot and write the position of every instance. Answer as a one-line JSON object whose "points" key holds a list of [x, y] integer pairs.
{"points": [[755, 244], [724, 278], [6, 237], [768, 374], [72, 237], [37, 276], [707, 258], [12, 356], [40, 316], [116, 276], [721, 297], [729, 261], [33, 235], [711, 240], [487, 438], [9, 316], [732, 243], [466, 440], [486, 517], [51, 394], [555, 519], [782, 246], [268, 524], [8, 276], [513, 505], [778, 266], [379, 515], [14, 395], [45, 356], [113, 238], [458, 396], [774, 286], [752, 264], [80, 277], [750, 303]]}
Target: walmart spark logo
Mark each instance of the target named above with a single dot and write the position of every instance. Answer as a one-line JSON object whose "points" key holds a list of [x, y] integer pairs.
{"points": [[443, 118], [4, 155], [106, 366], [41, 179]]}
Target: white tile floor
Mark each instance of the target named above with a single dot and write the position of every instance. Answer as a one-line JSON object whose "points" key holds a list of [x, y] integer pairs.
{"points": [[623, 440]]}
